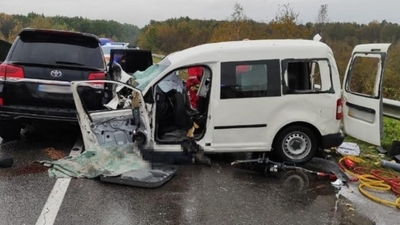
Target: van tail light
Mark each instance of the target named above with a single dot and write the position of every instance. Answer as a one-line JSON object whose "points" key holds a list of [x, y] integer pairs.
{"points": [[97, 76], [339, 109], [10, 72]]}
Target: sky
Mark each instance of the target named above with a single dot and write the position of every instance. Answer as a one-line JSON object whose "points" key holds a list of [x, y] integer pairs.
{"points": [[140, 12]]}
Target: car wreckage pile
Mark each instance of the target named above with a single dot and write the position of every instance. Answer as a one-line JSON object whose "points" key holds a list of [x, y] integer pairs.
{"points": [[135, 113]]}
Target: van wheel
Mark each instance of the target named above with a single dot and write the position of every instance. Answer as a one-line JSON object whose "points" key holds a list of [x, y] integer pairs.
{"points": [[10, 131], [296, 144]]}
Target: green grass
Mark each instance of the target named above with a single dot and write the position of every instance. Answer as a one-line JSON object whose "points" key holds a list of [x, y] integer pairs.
{"points": [[391, 131], [369, 152], [156, 59]]}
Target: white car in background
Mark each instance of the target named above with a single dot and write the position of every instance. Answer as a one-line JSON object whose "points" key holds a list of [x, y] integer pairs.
{"points": [[113, 45]]}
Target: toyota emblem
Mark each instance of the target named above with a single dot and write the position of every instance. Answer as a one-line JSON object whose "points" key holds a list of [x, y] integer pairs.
{"points": [[56, 73]]}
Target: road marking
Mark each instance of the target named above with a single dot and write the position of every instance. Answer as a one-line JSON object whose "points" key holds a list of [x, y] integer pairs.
{"points": [[53, 204]]}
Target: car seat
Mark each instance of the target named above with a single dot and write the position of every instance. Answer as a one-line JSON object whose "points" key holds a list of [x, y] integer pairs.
{"points": [[172, 114]]}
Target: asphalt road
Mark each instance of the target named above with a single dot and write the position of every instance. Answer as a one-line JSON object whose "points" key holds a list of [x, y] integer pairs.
{"points": [[195, 195]]}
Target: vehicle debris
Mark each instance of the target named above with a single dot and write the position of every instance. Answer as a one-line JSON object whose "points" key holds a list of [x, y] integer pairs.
{"points": [[394, 148], [104, 160], [6, 160], [392, 165], [155, 177], [271, 166], [349, 148], [54, 154]]}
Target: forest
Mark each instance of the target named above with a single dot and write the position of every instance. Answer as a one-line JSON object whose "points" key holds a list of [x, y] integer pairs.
{"points": [[10, 25], [175, 34]]}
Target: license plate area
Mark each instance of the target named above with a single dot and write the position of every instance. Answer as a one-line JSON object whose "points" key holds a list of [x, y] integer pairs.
{"points": [[58, 89]]}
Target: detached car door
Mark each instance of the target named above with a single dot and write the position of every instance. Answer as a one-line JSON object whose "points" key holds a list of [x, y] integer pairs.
{"points": [[362, 93], [124, 114], [123, 117]]}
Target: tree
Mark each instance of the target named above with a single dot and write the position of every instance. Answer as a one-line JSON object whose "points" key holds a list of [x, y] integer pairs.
{"points": [[286, 14], [2, 37], [285, 24], [238, 13], [236, 28], [14, 32], [322, 19]]}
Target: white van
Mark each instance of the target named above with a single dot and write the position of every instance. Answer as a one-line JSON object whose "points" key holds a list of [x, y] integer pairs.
{"points": [[282, 96]]}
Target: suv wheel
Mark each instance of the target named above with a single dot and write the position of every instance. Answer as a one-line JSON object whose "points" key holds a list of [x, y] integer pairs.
{"points": [[296, 144], [10, 131]]}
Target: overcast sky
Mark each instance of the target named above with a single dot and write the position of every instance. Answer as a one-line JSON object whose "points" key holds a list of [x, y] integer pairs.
{"points": [[140, 12]]}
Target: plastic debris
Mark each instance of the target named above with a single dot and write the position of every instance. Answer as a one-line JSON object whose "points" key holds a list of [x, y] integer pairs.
{"points": [[337, 183], [381, 150], [6, 160], [349, 148]]}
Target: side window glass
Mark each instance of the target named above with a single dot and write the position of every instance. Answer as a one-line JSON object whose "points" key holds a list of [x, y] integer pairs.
{"points": [[308, 76], [244, 80], [363, 75]]}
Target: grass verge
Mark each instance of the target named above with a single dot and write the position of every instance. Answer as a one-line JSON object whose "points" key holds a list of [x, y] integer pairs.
{"points": [[370, 154], [156, 59]]}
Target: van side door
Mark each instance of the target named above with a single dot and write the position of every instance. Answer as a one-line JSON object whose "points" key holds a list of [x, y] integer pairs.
{"points": [[240, 110]]}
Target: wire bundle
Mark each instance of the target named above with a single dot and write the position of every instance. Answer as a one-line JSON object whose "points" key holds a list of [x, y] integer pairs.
{"points": [[378, 180]]}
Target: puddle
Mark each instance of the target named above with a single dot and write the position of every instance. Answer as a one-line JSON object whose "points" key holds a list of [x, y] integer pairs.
{"points": [[296, 190], [34, 168]]}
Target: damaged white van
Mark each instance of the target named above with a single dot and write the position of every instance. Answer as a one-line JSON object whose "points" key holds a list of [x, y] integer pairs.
{"points": [[279, 96]]}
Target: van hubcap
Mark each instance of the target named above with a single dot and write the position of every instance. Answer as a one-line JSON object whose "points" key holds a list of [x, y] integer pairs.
{"points": [[296, 145]]}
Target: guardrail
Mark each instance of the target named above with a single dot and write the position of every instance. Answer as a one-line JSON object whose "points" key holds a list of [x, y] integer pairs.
{"points": [[391, 108], [158, 56]]}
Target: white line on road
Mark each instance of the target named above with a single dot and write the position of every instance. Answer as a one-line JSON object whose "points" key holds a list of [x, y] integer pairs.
{"points": [[53, 204]]}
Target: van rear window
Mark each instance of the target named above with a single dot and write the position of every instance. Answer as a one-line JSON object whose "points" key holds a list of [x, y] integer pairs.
{"points": [[51, 48]]}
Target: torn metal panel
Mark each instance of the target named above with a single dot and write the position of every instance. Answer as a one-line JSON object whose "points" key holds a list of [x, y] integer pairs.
{"points": [[113, 125], [153, 178]]}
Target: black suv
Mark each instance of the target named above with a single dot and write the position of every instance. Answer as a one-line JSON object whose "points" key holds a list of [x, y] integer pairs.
{"points": [[36, 73]]}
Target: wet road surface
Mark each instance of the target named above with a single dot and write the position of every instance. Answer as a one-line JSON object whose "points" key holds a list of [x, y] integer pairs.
{"points": [[196, 195], [25, 187]]}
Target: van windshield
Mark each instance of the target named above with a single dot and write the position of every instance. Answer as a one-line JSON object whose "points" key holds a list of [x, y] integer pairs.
{"points": [[143, 78]]}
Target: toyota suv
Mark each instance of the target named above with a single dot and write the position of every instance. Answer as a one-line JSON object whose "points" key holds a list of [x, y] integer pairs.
{"points": [[36, 73]]}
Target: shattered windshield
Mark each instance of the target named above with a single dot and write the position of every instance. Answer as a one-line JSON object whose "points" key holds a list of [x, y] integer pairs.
{"points": [[143, 78]]}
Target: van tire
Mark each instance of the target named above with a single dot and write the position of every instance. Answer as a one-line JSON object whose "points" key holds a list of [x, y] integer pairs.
{"points": [[297, 144], [10, 131]]}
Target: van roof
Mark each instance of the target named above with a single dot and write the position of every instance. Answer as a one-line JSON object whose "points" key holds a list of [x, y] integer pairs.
{"points": [[251, 50]]}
